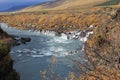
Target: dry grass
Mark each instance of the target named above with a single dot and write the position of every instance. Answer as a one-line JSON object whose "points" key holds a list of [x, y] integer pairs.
{"points": [[63, 4], [54, 20]]}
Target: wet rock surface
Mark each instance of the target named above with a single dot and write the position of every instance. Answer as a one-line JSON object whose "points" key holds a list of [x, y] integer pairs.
{"points": [[24, 40], [21, 40]]}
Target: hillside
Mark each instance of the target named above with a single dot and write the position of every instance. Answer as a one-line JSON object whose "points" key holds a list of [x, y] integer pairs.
{"points": [[63, 4]]}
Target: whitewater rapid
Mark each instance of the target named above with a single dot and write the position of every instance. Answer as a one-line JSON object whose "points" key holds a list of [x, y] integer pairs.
{"points": [[68, 43]]}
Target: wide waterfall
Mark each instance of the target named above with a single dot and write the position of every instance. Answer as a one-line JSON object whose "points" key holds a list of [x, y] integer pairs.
{"points": [[80, 35]]}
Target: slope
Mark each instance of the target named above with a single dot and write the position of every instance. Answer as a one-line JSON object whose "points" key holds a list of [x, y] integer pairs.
{"points": [[63, 4]]}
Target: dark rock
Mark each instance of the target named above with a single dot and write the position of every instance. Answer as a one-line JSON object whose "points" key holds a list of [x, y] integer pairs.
{"points": [[4, 50], [17, 43], [1, 31], [90, 29], [24, 40], [71, 52], [3, 34], [58, 33], [118, 11], [17, 40], [83, 34], [6, 65]]}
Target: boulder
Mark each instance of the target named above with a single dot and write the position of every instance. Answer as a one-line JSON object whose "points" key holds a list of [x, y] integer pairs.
{"points": [[58, 33], [24, 40], [83, 34]]}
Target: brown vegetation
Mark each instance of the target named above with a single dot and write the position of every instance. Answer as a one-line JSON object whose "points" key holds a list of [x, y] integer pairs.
{"points": [[102, 53], [56, 20]]}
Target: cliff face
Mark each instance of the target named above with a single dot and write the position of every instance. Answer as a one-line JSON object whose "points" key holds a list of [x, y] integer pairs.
{"points": [[6, 63]]}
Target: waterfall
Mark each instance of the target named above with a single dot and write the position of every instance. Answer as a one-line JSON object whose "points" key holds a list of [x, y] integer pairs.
{"points": [[3, 25], [64, 36], [49, 33], [80, 35]]}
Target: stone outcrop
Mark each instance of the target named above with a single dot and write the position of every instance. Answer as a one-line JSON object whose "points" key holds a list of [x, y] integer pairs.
{"points": [[21, 40], [3, 34], [6, 63], [24, 40]]}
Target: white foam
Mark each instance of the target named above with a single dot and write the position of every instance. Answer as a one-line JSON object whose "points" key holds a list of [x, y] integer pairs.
{"points": [[59, 40], [46, 53], [49, 33], [91, 26], [83, 48], [20, 55], [56, 49], [3, 25], [18, 51], [64, 36], [61, 54], [37, 56]]}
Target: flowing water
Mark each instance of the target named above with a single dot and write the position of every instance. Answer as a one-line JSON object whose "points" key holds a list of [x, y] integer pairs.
{"points": [[36, 55]]}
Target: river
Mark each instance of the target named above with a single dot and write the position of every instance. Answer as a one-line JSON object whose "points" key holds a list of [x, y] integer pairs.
{"points": [[43, 51]]}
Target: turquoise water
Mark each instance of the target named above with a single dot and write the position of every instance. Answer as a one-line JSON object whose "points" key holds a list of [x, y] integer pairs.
{"points": [[35, 56]]}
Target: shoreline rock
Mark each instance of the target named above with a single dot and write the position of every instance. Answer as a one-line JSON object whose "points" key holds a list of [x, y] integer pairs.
{"points": [[6, 63], [24, 40]]}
